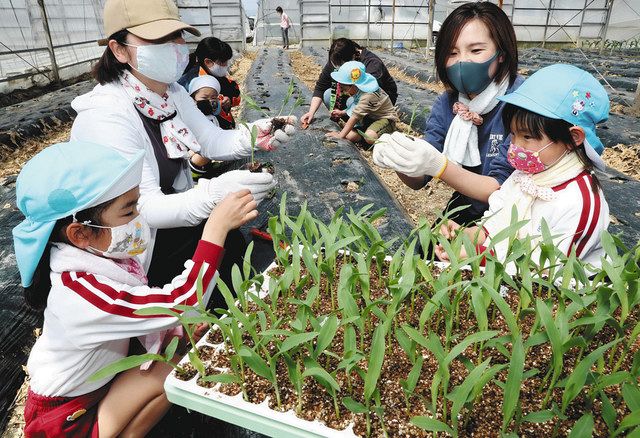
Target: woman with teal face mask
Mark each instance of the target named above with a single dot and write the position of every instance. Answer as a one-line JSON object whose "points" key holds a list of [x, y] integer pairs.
{"points": [[465, 143], [139, 106]]}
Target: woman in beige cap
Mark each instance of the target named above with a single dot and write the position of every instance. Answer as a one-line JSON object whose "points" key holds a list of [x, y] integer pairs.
{"points": [[138, 105]]}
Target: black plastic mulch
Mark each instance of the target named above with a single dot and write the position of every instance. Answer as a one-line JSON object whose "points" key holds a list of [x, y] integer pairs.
{"points": [[18, 321]]}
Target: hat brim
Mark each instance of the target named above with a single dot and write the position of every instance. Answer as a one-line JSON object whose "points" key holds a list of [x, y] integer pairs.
{"points": [[369, 85], [161, 28], [158, 29], [527, 103]]}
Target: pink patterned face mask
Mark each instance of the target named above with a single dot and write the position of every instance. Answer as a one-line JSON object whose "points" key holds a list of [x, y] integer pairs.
{"points": [[527, 161]]}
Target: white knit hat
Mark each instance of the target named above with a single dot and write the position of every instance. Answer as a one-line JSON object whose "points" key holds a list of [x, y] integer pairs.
{"points": [[205, 81]]}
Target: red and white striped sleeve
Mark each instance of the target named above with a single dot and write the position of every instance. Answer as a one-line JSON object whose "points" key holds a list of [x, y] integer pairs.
{"points": [[578, 217], [111, 313]]}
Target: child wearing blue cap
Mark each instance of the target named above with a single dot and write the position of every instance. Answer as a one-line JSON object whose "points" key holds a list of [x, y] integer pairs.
{"points": [[76, 251], [370, 110], [554, 149]]}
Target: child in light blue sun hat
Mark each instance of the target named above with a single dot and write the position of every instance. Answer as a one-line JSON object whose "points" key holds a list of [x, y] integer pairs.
{"points": [[77, 252], [554, 150], [370, 109]]}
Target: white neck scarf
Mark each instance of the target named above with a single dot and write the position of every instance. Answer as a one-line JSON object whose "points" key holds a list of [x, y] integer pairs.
{"points": [[176, 137], [528, 188], [461, 143]]}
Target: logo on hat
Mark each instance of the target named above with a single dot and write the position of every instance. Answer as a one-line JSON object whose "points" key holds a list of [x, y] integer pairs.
{"points": [[355, 74]]}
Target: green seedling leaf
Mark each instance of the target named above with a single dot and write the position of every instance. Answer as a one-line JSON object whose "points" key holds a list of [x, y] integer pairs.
{"points": [[631, 395], [354, 406], [431, 424], [466, 342], [460, 395], [154, 311], [322, 376], [256, 363], [296, 340], [414, 374], [376, 357], [539, 416], [514, 382], [326, 335], [170, 350], [196, 362], [609, 413], [583, 427], [631, 420], [124, 364], [578, 378]]}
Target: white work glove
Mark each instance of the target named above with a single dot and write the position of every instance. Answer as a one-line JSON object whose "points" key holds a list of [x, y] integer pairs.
{"points": [[410, 156], [260, 184], [266, 140]]}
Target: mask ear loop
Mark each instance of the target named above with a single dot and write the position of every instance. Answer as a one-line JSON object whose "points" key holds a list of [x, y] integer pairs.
{"points": [[87, 223]]}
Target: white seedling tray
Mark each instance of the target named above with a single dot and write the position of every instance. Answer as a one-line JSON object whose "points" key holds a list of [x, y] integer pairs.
{"points": [[234, 409]]}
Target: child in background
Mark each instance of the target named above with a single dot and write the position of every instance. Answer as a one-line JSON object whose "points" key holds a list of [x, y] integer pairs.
{"points": [[205, 91], [212, 57], [370, 111], [554, 148], [76, 251], [285, 24]]}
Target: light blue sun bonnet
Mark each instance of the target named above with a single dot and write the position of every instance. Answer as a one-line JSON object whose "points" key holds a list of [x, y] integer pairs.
{"points": [[563, 91], [354, 72], [63, 179]]}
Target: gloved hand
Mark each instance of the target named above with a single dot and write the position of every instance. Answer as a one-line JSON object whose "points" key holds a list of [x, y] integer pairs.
{"points": [[268, 141], [260, 184], [410, 156]]}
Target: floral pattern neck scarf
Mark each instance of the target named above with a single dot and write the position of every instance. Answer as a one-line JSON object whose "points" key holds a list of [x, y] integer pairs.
{"points": [[176, 136]]}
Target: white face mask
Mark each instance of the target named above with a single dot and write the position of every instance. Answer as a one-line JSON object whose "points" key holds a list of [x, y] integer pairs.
{"points": [[162, 62], [219, 70], [127, 240]]}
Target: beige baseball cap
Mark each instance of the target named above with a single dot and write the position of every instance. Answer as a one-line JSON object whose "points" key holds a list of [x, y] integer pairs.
{"points": [[148, 19]]}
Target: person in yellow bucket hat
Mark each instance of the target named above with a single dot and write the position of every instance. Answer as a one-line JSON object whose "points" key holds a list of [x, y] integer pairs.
{"points": [[370, 110]]}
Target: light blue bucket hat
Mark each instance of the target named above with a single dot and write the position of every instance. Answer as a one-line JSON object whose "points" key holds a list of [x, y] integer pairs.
{"points": [[63, 179], [565, 92], [354, 72]]}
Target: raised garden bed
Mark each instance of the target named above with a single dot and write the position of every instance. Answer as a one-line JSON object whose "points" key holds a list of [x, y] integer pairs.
{"points": [[379, 343]]}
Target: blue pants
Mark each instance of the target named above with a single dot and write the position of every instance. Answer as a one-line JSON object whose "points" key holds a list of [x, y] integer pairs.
{"points": [[285, 36]]}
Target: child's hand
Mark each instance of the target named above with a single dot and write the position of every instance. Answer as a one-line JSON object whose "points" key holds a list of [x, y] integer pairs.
{"points": [[333, 134], [444, 256], [225, 102], [199, 331], [336, 113], [450, 229], [235, 210]]}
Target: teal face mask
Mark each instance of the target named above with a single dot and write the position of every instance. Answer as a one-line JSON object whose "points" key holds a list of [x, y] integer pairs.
{"points": [[470, 77]]}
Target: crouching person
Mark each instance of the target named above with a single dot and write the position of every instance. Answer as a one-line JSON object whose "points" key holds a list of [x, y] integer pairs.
{"points": [[370, 112], [77, 254]]}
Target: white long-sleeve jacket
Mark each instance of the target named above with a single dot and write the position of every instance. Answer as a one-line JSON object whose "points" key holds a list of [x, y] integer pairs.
{"points": [[89, 318], [576, 217], [107, 116]]}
